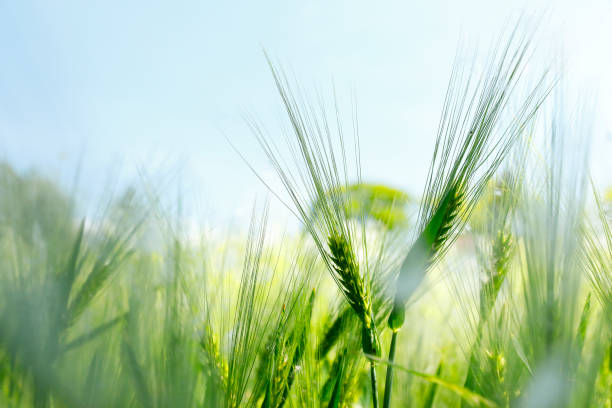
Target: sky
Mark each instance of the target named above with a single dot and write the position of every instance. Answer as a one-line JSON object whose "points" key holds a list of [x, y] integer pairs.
{"points": [[152, 90]]}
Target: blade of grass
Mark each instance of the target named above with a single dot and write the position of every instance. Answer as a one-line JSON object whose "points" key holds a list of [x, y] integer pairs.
{"points": [[470, 397], [93, 334]]}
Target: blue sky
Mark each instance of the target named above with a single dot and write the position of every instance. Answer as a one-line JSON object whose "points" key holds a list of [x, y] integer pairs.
{"points": [[154, 87]]}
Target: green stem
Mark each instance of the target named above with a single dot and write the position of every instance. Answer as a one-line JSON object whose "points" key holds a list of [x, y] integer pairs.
{"points": [[374, 385], [389, 378]]}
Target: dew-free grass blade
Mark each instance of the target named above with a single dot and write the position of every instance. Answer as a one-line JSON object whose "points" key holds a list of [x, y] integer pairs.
{"points": [[470, 397]]}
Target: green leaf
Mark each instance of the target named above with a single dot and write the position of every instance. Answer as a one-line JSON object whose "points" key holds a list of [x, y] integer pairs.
{"points": [[470, 397], [72, 267], [142, 390], [113, 254], [431, 393], [336, 396], [85, 338]]}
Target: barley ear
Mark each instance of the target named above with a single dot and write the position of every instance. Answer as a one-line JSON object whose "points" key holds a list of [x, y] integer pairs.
{"points": [[501, 252], [423, 252], [354, 288]]}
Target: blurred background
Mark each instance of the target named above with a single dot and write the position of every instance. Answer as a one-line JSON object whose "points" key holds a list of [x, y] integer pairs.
{"points": [[103, 93]]}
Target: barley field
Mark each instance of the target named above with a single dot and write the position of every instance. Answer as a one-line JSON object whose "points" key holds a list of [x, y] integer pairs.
{"points": [[491, 288]]}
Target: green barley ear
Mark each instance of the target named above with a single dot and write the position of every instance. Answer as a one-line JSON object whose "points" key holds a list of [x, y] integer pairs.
{"points": [[318, 172], [282, 356], [501, 254], [386, 208], [424, 250], [320, 176], [494, 247], [495, 274], [333, 333], [352, 284], [474, 136], [214, 365], [347, 270], [358, 296]]}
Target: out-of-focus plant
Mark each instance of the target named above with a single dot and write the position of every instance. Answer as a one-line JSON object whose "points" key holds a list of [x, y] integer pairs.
{"points": [[382, 204]]}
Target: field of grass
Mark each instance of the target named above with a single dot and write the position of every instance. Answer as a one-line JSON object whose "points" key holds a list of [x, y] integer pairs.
{"points": [[496, 291]]}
